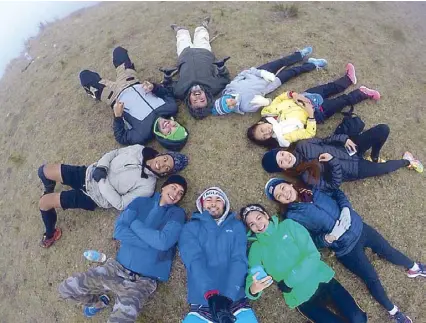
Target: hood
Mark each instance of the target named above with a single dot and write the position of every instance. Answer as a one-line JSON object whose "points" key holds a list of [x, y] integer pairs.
{"points": [[227, 204]]}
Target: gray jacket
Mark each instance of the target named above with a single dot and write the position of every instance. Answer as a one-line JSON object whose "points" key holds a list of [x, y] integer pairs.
{"points": [[124, 181], [248, 84]]}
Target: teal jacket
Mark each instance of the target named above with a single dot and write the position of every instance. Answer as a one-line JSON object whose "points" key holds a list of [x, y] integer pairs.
{"points": [[287, 252]]}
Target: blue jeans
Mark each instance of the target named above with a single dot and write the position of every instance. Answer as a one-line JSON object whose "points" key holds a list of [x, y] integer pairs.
{"points": [[357, 262], [332, 293], [244, 315]]}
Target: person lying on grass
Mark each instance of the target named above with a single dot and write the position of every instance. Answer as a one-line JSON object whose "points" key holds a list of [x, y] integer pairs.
{"points": [[213, 246], [246, 91], [285, 251], [317, 161], [201, 76], [146, 232], [112, 182], [136, 105], [334, 224], [292, 116]]}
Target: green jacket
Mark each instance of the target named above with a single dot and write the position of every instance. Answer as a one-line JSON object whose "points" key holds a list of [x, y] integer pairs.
{"points": [[287, 252]]}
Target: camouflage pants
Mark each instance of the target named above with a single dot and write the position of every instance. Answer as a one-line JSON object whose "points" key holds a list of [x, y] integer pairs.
{"points": [[85, 288]]}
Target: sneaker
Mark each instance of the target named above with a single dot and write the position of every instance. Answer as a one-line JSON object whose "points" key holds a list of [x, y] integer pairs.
{"points": [[90, 311], [46, 243], [400, 317], [176, 28], [350, 72], [420, 272], [318, 62], [205, 23], [414, 163], [372, 94], [169, 71], [306, 51]]}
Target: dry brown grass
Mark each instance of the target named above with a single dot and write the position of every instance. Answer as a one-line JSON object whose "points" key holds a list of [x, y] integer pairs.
{"points": [[49, 118]]}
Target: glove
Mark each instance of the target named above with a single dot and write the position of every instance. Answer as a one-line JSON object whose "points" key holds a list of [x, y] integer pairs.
{"points": [[220, 307], [345, 217], [341, 226], [283, 287], [267, 76], [221, 63], [260, 100], [99, 173]]}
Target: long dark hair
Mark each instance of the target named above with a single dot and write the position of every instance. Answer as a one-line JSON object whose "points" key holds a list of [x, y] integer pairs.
{"points": [[302, 190], [268, 143], [312, 167]]}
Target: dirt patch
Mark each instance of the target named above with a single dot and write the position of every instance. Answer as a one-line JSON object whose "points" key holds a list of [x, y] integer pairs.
{"points": [[53, 120]]}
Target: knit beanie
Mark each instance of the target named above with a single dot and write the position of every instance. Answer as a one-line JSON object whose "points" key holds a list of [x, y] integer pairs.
{"points": [[269, 161], [176, 179], [180, 161], [270, 187], [212, 192]]}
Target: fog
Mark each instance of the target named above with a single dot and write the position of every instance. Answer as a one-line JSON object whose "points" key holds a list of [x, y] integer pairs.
{"points": [[20, 21]]}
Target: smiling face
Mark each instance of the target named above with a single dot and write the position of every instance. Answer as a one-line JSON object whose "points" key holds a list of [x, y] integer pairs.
{"points": [[166, 126], [161, 164], [171, 194], [198, 99], [285, 159], [263, 131], [215, 206], [285, 193], [257, 221]]}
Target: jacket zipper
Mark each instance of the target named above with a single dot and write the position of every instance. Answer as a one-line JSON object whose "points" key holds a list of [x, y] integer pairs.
{"points": [[143, 99]]}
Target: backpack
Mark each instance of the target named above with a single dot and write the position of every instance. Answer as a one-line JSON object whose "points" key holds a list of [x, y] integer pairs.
{"points": [[351, 125]]}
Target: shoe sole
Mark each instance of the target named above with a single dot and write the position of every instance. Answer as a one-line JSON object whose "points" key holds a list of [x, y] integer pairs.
{"points": [[416, 275]]}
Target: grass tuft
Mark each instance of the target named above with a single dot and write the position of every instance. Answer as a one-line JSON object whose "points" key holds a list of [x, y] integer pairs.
{"points": [[17, 159], [286, 11]]}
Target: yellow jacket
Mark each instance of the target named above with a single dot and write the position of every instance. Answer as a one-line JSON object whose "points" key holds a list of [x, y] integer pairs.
{"points": [[285, 108]]}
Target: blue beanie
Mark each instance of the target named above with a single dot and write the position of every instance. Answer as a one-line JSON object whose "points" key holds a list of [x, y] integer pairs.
{"points": [[180, 161], [270, 187], [221, 106], [269, 161]]}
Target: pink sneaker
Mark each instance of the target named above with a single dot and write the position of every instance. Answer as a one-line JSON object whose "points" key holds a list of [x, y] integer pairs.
{"points": [[414, 163], [350, 72], [372, 94]]}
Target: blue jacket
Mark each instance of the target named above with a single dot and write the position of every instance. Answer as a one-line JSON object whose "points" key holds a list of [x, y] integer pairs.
{"points": [[310, 149], [215, 257], [140, 112], [320, 216], [148, 234]]}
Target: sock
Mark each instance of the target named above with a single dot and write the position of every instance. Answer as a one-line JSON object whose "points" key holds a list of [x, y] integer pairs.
{"points": [[394, 310], [415, 267], [49, 219], [49, 185]]}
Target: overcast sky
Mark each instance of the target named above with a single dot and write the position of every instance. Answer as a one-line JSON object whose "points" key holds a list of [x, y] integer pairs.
{"points": [[20, 20]]}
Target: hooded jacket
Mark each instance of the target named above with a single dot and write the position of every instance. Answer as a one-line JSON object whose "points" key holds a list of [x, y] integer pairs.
{"points": [[214, 255], [287, 252], [141, 109], [248, 84], [196, 67], [288, 113], [123, 182], [320, 216], [148, 234]]}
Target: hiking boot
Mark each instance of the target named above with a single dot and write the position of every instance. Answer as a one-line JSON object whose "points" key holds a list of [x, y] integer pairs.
{"points": [[414, 273], [306, 51], [176, 28], [400, 317], [414, 163], [46, 243], [206, 21], [350, 72], [372, 94], [318, 62], [90, 311]]}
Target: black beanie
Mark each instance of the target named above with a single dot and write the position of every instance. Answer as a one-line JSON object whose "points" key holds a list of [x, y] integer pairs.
{"points": [[176, 179]]}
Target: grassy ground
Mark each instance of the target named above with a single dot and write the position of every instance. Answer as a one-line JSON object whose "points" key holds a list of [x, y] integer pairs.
{"points": [[47, 117]]}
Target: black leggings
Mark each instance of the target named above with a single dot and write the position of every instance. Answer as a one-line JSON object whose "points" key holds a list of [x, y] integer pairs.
{"points": [[357, 262], [286, 74], [375, 138], [332, 294], [332, 106]]}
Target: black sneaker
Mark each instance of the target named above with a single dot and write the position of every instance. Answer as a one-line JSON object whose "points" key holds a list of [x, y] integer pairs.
{"points": [[400, 317]]}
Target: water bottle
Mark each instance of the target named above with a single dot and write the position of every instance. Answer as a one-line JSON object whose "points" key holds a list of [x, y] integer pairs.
{"points": [[95, 256]]}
